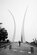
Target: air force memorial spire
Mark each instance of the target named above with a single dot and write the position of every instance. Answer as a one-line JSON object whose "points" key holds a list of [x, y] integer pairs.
{"points": [[22, 32], [14, 26]]}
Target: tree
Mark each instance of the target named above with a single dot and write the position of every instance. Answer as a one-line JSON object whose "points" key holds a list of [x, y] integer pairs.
{"points": [[3, 34]]}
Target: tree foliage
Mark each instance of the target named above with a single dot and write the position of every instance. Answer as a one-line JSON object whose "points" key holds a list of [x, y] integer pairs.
{"points": [[3, 34]]}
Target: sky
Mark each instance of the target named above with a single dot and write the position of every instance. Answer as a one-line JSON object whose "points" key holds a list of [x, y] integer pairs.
{"points": [[18, 8]]}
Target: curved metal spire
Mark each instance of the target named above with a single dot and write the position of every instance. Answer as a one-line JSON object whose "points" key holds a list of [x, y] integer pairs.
{"points": [[22, 33], [14, 25]]}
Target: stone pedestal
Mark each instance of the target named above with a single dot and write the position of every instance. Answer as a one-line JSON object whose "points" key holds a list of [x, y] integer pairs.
{"points": [[32, 49]]}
